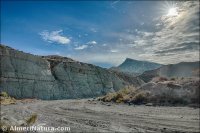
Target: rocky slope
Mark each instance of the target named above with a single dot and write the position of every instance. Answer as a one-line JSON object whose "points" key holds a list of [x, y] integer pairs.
{"points": [[135, 67], [183, 69], [24, 75], [157, 92], [182, 91]]}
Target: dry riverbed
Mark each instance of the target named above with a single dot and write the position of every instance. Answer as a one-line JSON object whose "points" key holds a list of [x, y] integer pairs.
{"points": [[95, 116]]}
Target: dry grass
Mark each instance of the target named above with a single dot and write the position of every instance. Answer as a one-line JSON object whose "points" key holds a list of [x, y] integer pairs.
{"points": [[133, 95], [126, 95], [30, 121]]}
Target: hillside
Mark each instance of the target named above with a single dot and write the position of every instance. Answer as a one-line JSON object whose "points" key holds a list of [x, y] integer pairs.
{"points": [[183, 69], [54, 77]]}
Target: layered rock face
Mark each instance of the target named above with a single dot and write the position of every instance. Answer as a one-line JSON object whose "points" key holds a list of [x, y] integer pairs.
{"points": [[53, 77]]}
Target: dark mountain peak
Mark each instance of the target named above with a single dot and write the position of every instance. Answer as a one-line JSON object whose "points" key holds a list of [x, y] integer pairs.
{"points": [[129, 60]]}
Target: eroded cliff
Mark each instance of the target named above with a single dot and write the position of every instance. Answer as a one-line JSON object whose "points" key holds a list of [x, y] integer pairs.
{"points": [[53, 77]]}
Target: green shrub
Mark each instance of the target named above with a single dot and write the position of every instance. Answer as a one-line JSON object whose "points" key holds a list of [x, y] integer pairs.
{"points": [[173, 79], [5, 99], [4, 94]]}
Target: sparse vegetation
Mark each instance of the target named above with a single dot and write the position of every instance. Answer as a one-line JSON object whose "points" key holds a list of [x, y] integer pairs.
{"points": [[4, 94], [5, 99], [30, 121], [127, 95], [173, 79], [140, 97], [158, 93]]}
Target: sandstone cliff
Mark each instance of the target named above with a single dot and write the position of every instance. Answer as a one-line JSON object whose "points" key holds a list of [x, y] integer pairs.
{"points": [[24, 75]]}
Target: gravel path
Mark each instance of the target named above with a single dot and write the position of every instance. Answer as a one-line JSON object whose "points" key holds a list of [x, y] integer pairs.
{"points": [[95, 116]]}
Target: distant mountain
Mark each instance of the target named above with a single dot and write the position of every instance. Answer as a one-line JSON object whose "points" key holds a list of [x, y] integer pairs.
{"points": [[183, 69], [135, 67]]}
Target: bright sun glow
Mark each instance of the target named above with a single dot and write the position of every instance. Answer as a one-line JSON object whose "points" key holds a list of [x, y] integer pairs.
{"points": [[172, 12]]}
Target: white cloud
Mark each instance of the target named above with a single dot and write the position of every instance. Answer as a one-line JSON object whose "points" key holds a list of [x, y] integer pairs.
{"points": [[114, 50], [104, 44], [81, 47], [177, 38], [93, 30], [92, 42], [172, 40], [54, 37]]}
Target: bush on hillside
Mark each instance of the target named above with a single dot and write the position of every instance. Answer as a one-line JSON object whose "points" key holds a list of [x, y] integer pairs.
{"points": [[126, 95], [5, 99]]}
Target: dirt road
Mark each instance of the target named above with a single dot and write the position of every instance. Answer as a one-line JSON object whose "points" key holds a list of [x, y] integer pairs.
{"points": [[94, 116]]}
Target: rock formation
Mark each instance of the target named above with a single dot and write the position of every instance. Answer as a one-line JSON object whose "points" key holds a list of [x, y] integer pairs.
{"points": [[181, 90], [23, 75]]}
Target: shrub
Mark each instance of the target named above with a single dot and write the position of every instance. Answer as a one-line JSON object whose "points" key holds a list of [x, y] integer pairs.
{"points": [[173, 79], [5, 99], [118, 98], [140, 97], [4, 94], [126, 95], [30, 121]]}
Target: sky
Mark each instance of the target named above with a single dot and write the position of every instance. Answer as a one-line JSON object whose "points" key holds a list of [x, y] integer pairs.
{"points": [[104, 33]]}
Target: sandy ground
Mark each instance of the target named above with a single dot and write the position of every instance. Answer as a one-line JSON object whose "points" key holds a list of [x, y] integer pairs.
{"points": [[95, 116]]}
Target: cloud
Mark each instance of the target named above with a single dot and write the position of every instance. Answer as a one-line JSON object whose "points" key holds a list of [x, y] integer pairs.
{"points": [[104, 44], [183, 47], [114, 50], [170, 40], [165, 40], [81, 47], [93, 30], [114, 3], [54, 37], [92, 42], [175, 39], [181, 32]]}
